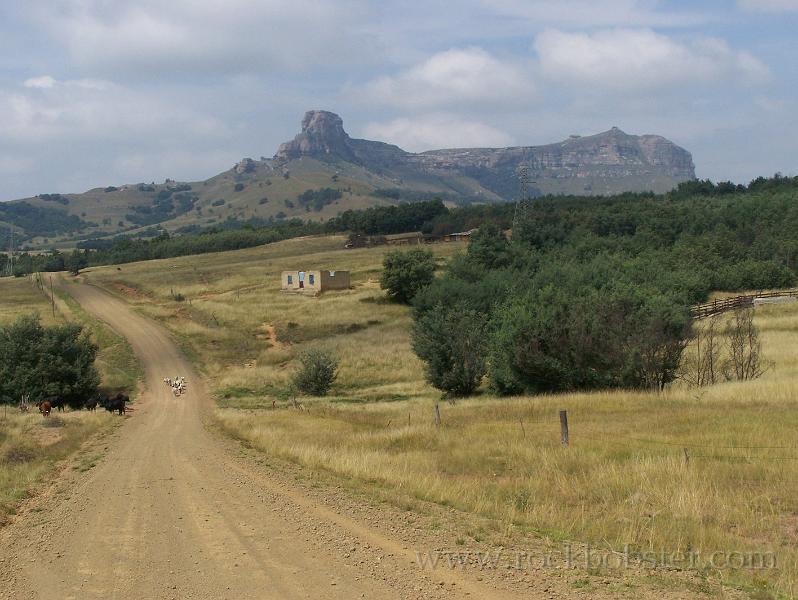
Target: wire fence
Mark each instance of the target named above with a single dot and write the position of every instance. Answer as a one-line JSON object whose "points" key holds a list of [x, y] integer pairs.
{"points": [[711, 451]]}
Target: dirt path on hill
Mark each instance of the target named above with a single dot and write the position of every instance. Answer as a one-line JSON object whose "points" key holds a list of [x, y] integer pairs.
{"points": [[173, 510]]}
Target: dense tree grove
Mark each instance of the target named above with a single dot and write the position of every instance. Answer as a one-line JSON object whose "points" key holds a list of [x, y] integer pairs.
{"points": [[595, 293], [384, 220], [318, 199], [40, 361], [36, 220]]}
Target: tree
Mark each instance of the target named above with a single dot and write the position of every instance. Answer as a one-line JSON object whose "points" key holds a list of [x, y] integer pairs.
{"points": [[702, 363], [317, 372], [405, 273], [76, 261], [489, 248], [46, 361], [653, 336], [744, 347], [452, 344]]}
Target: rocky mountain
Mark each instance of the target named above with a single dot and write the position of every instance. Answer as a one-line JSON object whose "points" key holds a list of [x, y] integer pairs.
{"points": [[324, 171], [608, 162]]}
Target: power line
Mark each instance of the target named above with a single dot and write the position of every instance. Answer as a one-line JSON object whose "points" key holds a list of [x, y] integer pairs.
{"points": [[742, 458], [688, 445]]}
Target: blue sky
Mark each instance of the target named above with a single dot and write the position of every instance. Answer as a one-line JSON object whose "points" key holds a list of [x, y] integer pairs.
{"points": [[102, 92]]}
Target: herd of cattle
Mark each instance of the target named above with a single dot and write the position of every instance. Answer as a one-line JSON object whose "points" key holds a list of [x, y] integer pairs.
{"points": [[115, 403]]}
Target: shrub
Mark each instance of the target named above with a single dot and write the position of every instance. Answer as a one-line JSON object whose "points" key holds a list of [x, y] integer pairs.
{"points": [[452, 344], [406, 273], [239, 187], [45, 361], [318, 371], [19, 453]]}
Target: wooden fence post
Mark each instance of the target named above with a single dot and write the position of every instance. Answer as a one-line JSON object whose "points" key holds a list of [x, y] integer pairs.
{"points": [[437, 415], [564, 427], [686, 457]]}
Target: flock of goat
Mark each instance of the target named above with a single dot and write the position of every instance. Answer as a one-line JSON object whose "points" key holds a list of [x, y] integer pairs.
{"points": [[179, 384]]}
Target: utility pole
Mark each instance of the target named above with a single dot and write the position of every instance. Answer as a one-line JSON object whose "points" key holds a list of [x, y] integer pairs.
{"points": [[523, 204]]}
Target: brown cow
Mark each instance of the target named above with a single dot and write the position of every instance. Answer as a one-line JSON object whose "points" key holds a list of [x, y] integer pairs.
{"points": [[44, 408]]}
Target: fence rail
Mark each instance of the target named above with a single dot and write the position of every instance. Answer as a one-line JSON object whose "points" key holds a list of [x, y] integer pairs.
{"points": [[717, 307]]}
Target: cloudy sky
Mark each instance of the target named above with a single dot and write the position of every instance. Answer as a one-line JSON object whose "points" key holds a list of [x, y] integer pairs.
{"points": [[100, 92]]}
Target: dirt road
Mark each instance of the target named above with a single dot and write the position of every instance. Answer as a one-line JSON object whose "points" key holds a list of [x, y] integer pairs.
{"points": [[174, 511]]}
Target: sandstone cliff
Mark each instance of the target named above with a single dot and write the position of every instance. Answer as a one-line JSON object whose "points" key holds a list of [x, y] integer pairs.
{"points": [[608, 162]]}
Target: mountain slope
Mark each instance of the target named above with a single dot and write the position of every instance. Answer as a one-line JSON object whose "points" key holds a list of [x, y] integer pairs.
{"points": [[605, 163], [323, 171]]}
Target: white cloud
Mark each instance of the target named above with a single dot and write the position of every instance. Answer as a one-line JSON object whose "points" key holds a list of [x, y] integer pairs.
{"points": [[641, 59], [589, 13], [150, 37], [769, 5], [45, 81], [76, 110], [459, 76], [431, 132]]}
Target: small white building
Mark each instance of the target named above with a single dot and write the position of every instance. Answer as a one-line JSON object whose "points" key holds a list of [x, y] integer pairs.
{"points": [[315, 281]]}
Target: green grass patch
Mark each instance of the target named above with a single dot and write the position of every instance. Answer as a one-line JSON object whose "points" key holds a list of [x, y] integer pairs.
{"points": [[116, 362]]}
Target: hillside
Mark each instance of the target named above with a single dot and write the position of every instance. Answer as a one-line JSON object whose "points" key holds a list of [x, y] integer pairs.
{"points": [[492, 455], [323, 171]]}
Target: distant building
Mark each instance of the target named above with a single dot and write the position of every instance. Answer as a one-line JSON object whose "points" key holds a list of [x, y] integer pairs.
{"points": [[407, 239], [462, 236], [314, 281]]}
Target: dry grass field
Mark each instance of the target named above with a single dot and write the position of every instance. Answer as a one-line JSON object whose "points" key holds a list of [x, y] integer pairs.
{"points": [[245, 331], [19, 296], [702, 471], [30, 446]]}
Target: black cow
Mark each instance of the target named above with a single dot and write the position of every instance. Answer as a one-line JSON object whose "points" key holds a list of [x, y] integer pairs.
{"points": [[56, 402], [91, 403], [116, 403]]}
